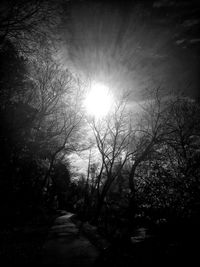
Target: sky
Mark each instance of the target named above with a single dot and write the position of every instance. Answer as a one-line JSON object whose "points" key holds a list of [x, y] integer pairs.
{"points": [[135, 45]]}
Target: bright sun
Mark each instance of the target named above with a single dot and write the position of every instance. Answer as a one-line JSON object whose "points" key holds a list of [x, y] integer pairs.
{"points": [[99, 100]]}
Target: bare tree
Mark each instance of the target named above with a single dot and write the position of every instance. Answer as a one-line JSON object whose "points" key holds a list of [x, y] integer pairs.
{"points": [[127, 139], [112, 135], [56, 97], [24, 21], [169, 179], [183, 142], [149, 134]]}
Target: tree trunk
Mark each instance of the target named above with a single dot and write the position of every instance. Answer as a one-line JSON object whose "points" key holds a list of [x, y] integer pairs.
{"points": [[99, 206], [101, 198], [46, 178], [132, 201]]}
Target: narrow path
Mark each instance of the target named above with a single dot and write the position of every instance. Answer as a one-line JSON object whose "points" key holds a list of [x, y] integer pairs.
{"points": [[64, 245]]}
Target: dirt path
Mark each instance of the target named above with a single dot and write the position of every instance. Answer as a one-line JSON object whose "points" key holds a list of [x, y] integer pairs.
{"points": [[64, 245]]}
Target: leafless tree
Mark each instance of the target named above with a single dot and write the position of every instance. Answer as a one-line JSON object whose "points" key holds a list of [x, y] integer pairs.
{"points": [[149, 133], [112, 135], [55, 95], [171, 176], [23, 22], [183, 142]]}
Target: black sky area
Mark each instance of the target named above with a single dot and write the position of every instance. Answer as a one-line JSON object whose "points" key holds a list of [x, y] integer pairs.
{"points": [[141, 44]]}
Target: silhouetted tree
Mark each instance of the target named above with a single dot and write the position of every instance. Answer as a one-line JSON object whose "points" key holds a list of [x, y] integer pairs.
{"points": [[149, 132], [112, 135], [56, 96], [24, 23], [40, 115], [166, 183]]}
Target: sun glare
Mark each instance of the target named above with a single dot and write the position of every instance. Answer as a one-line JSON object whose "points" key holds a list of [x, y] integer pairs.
{"points": [[99, 100]]}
